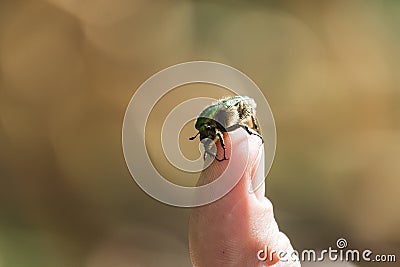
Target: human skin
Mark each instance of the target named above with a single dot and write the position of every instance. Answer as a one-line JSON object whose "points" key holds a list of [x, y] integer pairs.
{"points": [[231, 230]]}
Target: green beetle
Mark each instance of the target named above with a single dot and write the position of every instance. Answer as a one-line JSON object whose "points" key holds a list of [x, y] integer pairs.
{"points": [[226, 115]]}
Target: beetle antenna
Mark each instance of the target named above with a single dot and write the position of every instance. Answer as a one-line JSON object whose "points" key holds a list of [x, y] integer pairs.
{"points": [[193, 137]]}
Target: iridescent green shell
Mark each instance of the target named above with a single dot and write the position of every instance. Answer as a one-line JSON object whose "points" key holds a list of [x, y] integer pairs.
{"points": [[226, 115], [229, 111]]}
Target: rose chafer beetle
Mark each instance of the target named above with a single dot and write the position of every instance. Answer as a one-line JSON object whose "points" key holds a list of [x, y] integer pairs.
{"points": [[226, 115]]}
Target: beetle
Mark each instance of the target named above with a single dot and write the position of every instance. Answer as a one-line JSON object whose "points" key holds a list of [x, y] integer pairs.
{"points": [[226, 115]]}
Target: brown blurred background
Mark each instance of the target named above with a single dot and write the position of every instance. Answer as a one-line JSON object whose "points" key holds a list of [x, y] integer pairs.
{"points": [[68, 68]]}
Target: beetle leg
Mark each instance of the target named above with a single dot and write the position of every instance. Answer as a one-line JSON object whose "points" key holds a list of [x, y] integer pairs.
{"points": [[236, 126], [221, 141], [206, 151], [193, 137]]}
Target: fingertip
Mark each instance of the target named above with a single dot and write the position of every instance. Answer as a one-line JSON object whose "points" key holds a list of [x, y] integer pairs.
{"points": [[236, 147], [244, 163]]}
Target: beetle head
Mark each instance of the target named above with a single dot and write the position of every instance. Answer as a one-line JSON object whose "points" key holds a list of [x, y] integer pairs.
{"points": [[207, 128]]}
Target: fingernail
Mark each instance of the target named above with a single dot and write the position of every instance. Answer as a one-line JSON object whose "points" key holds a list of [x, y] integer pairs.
{"points": [[258, 178]]}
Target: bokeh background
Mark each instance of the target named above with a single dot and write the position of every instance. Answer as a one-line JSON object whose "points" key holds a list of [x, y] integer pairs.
{"points": [[68, 68]]}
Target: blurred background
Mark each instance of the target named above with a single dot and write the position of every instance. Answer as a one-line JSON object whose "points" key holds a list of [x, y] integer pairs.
{"points": [[68, 68]]}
